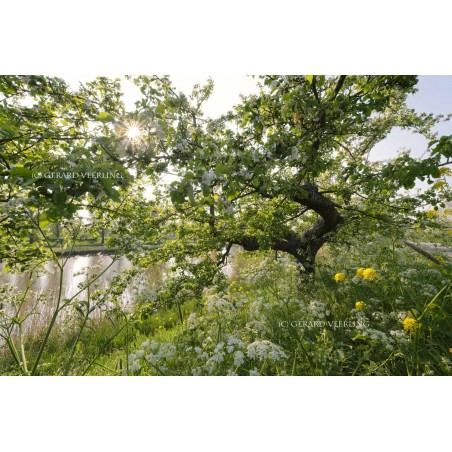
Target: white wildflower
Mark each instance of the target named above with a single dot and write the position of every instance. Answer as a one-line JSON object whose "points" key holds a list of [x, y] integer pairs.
{"points": [[262, 350], [192, 321], [134, 366], [239, 358], [215, 303]]}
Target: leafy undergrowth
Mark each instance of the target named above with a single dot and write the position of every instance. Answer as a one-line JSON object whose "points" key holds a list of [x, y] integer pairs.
{"points": [[380, 309]]}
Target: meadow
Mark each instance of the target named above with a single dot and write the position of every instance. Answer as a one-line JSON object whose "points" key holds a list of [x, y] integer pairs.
{"points": [[376, 308], [338, 272]]}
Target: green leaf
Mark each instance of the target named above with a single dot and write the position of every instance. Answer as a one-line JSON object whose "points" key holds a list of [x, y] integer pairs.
{"points": [[309, 78], [114, 195], [286, 96], [160, 108], [176, 197], [205, 190], [111, 192], [21, 171], [105, 117], [6, 129], [60, 197], [259, 127], [222, 168], [43, 220], [190, 195]]}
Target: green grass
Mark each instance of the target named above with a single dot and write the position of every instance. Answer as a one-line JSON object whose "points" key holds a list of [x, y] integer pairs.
{"points": [[262, 322]]}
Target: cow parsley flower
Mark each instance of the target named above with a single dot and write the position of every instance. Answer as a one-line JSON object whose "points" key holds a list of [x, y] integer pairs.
{"points": [[192, 321], [318, 309], [215, 303], [134, 366], [262, 350], [239, 358]]}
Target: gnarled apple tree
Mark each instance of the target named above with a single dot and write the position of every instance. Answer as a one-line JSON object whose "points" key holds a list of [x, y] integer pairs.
{"points": [[289, 168]]}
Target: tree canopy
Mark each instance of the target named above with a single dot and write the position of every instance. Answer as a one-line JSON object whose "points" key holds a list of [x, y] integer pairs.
{"points": [[288, 169]]}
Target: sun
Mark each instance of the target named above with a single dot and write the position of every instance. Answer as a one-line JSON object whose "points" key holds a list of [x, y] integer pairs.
{"points": [[132, 135], [133, 132]]}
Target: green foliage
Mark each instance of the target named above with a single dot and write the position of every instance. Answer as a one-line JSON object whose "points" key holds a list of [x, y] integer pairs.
{"points": [[262, 171], [261, 323], [286, 171]]}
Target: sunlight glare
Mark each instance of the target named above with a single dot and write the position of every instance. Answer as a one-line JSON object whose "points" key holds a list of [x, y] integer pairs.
{"points": [[133, 132]]}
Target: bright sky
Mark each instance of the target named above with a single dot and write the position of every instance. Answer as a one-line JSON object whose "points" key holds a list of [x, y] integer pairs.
{"points": [[226, 93], [434, 96]]}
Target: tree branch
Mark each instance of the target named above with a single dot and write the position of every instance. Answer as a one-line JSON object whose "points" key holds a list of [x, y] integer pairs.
{"points": [[339, 84]]}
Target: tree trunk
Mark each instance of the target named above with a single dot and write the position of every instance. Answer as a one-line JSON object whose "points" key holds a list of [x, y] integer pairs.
{"points": [[305, 246]]}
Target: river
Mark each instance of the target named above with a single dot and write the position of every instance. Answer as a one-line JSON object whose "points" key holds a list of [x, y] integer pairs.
{"points": [[44, 287]]}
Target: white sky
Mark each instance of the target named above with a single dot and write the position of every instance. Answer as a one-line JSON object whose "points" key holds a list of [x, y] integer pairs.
{"points": [[226, 94]]}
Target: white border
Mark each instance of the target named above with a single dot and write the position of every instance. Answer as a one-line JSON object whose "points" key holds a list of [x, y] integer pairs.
{"points": [[237, 37], [224, 414]]}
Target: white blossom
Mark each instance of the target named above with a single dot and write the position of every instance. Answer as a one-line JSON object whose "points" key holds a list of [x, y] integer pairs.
{"points": [[262, 350], [239, 358]]}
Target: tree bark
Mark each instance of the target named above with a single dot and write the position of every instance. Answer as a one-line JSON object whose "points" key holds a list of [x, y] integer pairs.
{"points": [[305, 246]]}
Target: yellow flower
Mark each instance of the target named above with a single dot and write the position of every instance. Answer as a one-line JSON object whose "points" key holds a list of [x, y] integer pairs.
{"points": [[410, 324], [370, 274], [338, 277], [360, 272], [431, 213], [359, 305]]}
